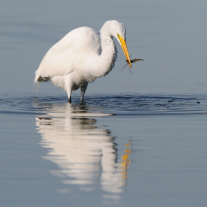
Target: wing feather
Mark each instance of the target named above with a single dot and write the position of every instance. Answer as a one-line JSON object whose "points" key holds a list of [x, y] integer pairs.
{"points": [[57, 61], [55, 64], [61, 57]]}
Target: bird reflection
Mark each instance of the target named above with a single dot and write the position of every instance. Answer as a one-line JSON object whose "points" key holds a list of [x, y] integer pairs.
{"points": [[85, 152]]}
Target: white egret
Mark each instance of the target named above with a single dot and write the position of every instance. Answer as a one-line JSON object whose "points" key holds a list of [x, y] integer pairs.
{"points": [[82, 56]]}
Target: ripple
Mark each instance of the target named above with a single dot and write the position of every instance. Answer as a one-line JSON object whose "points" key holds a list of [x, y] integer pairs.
{"points": [[150, 105], [121, 105]]}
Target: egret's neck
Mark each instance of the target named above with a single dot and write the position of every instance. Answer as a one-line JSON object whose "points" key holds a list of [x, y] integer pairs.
{"points": [[108, 55], [108, 47]]}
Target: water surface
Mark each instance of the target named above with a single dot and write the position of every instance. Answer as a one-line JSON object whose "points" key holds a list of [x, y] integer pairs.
{"points": [[110, 150], [138, 140]]}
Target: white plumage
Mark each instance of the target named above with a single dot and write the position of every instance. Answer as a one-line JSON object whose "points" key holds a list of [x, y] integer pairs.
{"points": [[82, 56]]}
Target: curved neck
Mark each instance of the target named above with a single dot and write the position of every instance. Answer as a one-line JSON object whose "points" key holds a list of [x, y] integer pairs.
{"points": [[109, 52], [106, 60]]}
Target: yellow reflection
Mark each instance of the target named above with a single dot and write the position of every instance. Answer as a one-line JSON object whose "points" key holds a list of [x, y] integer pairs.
{"points": [[125, 161], [84, 151]]}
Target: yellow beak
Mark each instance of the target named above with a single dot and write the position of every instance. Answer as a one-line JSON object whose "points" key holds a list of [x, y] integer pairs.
{"points": [[124, 48]]}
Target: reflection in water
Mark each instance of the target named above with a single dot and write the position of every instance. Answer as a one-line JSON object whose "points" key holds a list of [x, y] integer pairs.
{"points": [[84, 152]]}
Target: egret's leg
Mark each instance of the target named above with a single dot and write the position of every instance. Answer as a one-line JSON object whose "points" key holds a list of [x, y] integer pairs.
{"points": [[83, 90], [69, 95]]}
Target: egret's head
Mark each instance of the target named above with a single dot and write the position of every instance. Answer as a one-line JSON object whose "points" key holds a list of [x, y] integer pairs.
{"points": [[117, 30]]}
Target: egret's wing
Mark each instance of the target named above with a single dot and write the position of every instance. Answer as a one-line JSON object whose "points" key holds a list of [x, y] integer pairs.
{"points": [[55, 63], [60, 59]]}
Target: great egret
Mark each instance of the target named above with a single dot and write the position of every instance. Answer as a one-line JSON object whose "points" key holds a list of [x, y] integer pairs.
{"points": [[82, 56]]}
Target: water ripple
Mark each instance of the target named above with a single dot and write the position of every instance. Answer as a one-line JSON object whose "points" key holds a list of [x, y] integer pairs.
{"points": [[114, 104]]}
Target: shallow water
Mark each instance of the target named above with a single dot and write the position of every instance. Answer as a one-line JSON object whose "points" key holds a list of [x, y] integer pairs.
{"points": [[115, 105], [138, 140], [110, 150]]}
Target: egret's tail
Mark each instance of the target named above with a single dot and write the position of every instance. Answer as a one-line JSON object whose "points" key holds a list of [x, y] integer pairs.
{"points": [[36, 79], [39, 78]]}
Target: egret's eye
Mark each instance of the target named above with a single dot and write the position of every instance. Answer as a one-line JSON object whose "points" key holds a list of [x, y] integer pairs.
{"points": [[118, 35]]}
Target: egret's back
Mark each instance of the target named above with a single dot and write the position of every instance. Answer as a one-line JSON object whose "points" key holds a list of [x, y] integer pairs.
{"points": [[61, 57]]}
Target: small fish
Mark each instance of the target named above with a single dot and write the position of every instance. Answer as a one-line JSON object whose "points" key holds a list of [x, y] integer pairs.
{"points": [[135, 60], [132, 61]]}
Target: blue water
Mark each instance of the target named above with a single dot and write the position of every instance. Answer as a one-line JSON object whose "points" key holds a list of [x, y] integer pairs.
{"points": [[110, 150], [138, 139]]}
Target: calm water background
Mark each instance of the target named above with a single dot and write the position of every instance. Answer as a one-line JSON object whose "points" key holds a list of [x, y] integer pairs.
{"points": [[139, 140]]}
